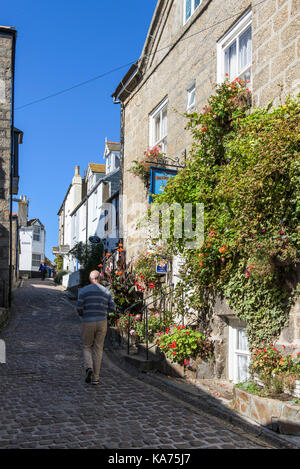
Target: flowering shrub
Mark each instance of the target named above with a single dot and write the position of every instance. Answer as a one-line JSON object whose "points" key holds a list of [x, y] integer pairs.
{"points": [[141, 168], [144, 268], [273, 367], [122, 286], [244, 167], [182, 344], [123, 320], [156, 324]]}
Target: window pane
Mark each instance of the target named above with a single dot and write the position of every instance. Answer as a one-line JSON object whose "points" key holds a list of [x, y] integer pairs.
{"points": [[36, 233], [245, 49], [242, 340], [36, 260], [163, 145], [188, 9], [164, 124], [242, 368], [157, 129], [230, 60], [247, 77], [191, 98], [197, 3]]}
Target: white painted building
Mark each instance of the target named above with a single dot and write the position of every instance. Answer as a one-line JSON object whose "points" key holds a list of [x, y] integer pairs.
{"points": [[91, 207], [74, 195], [98, 212], [32, 247]]}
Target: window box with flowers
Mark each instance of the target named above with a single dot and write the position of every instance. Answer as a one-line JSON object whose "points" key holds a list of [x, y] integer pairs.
{"points": [[152, 157]]}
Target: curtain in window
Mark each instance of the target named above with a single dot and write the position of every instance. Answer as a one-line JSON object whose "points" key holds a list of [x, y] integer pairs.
{"points": [[243, 363], [242, 340], [230, 61], [245, 49]]}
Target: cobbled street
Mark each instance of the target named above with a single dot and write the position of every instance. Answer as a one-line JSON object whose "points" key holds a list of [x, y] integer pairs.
{"points": [[45, 403]]}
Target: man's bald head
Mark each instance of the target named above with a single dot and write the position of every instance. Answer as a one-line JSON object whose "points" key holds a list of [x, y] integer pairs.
{"points": [[94, 276]]}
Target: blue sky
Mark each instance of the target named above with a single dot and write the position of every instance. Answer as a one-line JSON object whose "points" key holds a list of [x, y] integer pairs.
{"points": [[59, 44]]}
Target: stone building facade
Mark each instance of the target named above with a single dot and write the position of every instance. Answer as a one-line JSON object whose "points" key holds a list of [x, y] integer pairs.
{"points": [[190, 46], [7, 66], [187, 56]]}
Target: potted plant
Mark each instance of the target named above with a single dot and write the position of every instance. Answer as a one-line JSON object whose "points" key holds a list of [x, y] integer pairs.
{"points": [[141, 168]]}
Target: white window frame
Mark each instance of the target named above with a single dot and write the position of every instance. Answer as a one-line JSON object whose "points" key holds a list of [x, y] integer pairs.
{"points": [[193, 9], [36, 262], [36, 235], [162, 141], [191, 91], [230, 37], [234, 353]]}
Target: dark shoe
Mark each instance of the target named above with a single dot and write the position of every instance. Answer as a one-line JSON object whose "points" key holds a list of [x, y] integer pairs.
{"points": [[88, 376]]}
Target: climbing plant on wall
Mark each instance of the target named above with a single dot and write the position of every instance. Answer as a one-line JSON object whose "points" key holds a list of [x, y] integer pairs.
{"points": [[245, 168]]}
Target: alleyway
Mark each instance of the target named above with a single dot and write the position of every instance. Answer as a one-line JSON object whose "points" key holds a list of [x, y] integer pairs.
{"points": [[45, 403]]}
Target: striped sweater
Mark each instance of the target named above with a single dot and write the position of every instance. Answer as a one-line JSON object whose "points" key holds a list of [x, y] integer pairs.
{"points": [[94, 302]]}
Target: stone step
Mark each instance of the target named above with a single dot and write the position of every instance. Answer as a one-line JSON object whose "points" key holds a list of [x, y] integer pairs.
{"points": [[140, 362]]}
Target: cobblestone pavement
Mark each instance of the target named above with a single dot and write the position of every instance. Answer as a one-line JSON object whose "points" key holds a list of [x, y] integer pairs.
{"points": [[45, 403]]}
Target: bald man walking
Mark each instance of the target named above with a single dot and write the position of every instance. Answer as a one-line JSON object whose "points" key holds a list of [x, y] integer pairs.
{"points": [[93, 305]]}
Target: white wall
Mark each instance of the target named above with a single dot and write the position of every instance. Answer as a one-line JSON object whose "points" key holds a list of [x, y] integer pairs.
{"points": [[26, 249], [30, 247]]}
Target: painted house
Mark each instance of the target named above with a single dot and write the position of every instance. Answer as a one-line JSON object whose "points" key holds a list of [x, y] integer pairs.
{"points": [[98, 212], [32, 240], [73, 197], [90, 209], [190, 46]]}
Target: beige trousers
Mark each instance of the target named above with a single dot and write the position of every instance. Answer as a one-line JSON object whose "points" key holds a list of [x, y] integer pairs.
{"points": [[93, 335]]}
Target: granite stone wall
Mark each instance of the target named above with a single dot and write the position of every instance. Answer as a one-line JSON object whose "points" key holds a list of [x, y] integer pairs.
{"points": [[178, 54], [6, 75]]}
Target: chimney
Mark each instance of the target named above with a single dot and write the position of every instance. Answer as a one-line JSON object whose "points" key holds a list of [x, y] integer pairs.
{"points": [[76, 178], [77, 187], [23, 210]]}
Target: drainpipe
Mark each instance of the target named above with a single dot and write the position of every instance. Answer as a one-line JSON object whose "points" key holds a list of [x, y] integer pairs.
{"points": [[122, 140], [13, 55]]}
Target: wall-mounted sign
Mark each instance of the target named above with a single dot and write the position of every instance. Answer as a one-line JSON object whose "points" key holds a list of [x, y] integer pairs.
{"points": [[161, 266], [158, 179]]}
